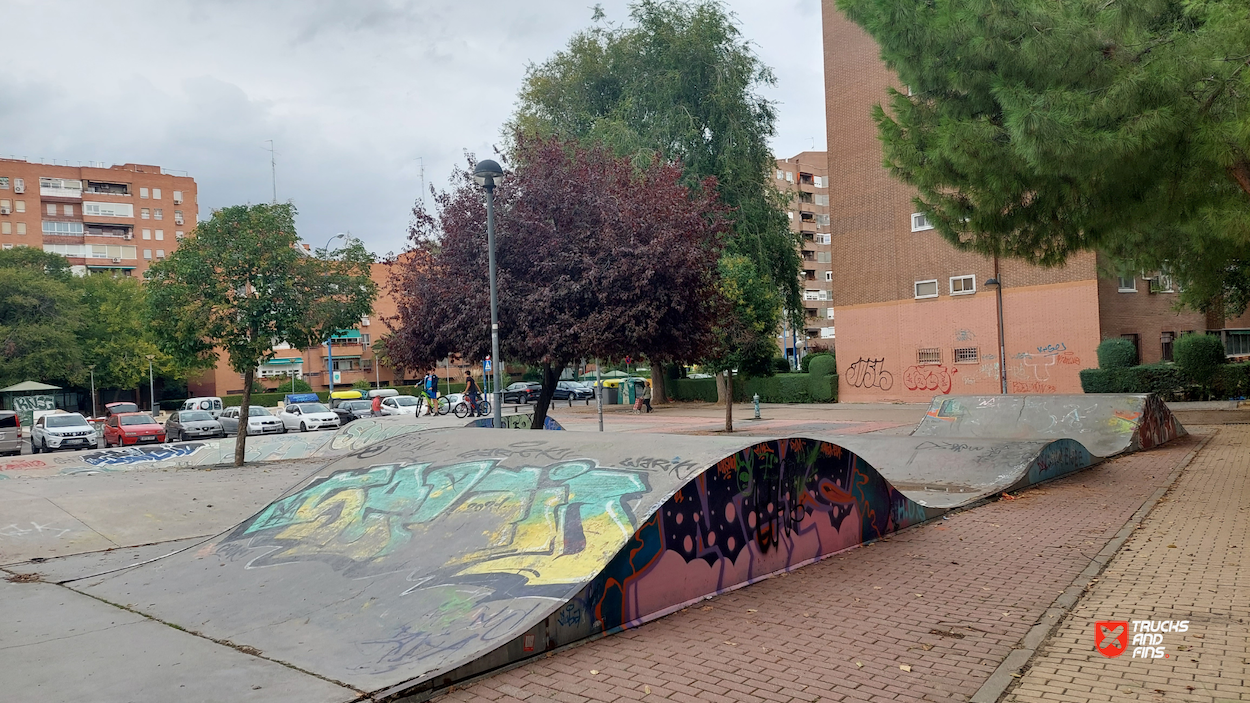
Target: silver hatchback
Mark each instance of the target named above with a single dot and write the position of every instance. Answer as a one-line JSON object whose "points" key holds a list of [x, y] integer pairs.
{"points": [[192, 424]]}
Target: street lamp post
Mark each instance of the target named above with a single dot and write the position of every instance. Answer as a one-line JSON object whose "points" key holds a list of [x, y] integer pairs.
{"points": [[151, 383], [91, 368], [1002, 345], [330, 341], [488, 174]]}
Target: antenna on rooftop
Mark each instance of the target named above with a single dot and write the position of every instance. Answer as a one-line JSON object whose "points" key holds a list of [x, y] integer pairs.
{"points": [[273, 170]]}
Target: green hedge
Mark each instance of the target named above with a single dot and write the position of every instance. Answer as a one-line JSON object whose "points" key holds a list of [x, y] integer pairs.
{"points": [[805, 363], [1161, 379], [782, 388], [1116, 353], [1233, 380]]}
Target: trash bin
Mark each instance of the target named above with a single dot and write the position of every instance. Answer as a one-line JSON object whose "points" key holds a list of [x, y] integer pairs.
{"points": [[611, 396]]}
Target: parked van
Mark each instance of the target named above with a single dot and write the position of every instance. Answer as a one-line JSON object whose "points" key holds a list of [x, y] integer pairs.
{"points": [[10, 433], [212, 405]]}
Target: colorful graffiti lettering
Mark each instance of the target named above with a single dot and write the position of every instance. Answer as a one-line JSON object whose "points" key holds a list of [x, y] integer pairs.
{"points": [[363, 433], [869, 373], [547, 525], [23, 464], [1052, 348], [1035, 387], [141, 455], [929, 378], [1059, 458]]}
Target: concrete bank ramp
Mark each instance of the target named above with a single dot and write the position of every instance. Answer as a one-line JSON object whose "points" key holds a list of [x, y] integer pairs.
{"points": [[431, 556], [1108, 425]]}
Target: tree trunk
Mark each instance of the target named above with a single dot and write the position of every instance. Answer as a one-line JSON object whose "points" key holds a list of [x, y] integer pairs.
{"points": [[659, 387], [240, 442], [550, 379], [1240, 172], [724, 387]]}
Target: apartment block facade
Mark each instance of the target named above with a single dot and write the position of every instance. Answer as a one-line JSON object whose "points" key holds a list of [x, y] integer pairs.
{"points": [[116, 218], [916, 316], [805, 178]]}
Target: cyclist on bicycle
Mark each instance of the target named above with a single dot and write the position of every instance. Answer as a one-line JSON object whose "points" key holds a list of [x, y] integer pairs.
{"points": [[472, 393]]}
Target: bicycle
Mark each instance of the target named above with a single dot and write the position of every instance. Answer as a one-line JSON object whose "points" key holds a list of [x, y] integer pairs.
{"points": [[444, 405], [462, 408]]}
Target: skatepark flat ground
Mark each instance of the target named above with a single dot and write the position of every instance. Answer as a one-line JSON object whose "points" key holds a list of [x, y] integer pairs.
{"points": [[901, 602]]}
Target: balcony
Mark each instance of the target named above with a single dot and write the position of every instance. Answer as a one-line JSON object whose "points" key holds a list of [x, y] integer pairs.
{"points": [[98, 188], [63, 193]]}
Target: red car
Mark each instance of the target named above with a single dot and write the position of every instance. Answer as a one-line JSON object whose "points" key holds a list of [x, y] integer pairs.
{"points": [[132, 428]]}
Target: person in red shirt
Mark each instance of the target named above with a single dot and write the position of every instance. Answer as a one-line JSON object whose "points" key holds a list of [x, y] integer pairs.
{"points": [[377, 406]]}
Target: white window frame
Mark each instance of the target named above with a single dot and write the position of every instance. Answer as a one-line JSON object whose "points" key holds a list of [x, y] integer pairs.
{"points": [[1124, 289], [156, 193], [916, 217], [52, 209], [828, 276], [963, 278], [968, 358], [829, 313], [160, 235], [937, 287], [143, 193]]}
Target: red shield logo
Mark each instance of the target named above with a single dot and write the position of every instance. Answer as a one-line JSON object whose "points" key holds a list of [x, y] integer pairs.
{"points": [[1111, 637]]}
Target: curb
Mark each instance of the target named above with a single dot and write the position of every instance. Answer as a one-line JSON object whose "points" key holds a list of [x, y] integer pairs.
{"points": [[1007, 672]]}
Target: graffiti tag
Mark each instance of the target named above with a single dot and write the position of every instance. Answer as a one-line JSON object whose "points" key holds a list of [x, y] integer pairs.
{"points": [[869, 373], [929, 378], [137, 455]]}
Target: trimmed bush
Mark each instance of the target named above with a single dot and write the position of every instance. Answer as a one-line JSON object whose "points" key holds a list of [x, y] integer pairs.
{"points": [[805, 363], [1234, 380], [693, 389], [781, 365], [1161, 379], [1116, 353], [1200, 357]]}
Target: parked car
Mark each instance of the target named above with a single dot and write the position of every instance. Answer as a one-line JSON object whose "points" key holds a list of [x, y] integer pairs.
{"points": [[10, 433], [192, 424], [209, 404], [308, 416], [349, 410], [400, 405], [572, 389], [61, 431], [112, 409], [259, 421], [522, 392], [132, 428]]}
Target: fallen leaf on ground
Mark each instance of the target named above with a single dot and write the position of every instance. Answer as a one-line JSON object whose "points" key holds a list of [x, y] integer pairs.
{"points": [[646, 690], [904, 667], [731, 644], [752, 610], [594, 672], [859, 664]]}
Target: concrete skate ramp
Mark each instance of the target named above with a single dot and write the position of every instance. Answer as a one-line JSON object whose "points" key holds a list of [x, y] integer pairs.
{"points": [[1108, 425], [428, 557]]}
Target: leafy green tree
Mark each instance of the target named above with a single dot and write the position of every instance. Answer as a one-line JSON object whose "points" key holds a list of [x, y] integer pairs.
{"points": [[681, 82], [1039, 128], [745, 336], [242, 283], [40, 311]]}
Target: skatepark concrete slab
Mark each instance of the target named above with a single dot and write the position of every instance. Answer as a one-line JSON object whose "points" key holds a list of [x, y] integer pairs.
{"points": [[64, 647], [80, 566]]}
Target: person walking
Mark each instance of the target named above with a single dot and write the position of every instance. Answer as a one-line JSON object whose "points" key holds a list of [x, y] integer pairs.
{"points": [[377, 406], [431, 393], [638, 398], [646, 396]]}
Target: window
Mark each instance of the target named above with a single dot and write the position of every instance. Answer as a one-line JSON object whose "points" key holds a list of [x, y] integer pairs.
{"points": [[1128, 285], [822, 200], [789, 176], [1235, 343], [158, 214], [145, 214], [819, 181], [19, 185], [824, 239], [824, 257], [829, 313], [71, 228], [920, 222], [21, 228], [156, 193], [963, 285], [160, 253], [806, 198], [21, 206], [147, 254], [1166, 340], [179, 235], [8, 246], [143, 193], [4, 182], [928, 356], [177, 217], [968, 355], [147, 234], [160, 235], [926, 289], [829, 275], [822, 220], [67, 210], [6, 204], [811, 295], [781, 174], [6, 228], [177, 197], [364, 321], [1161, 284], [52, 209], [108, 210], [1136, 340]]}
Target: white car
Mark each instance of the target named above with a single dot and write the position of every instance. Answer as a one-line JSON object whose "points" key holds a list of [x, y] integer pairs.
{"points": [[401, 405], [62, 431], [259, 422], [308, 416]]}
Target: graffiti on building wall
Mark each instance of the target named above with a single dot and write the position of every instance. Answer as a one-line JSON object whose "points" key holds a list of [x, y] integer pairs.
{"points": [[869, 373], [930, 378], [1053, 348], [1034, 387], [767, 509], [547, 525]]}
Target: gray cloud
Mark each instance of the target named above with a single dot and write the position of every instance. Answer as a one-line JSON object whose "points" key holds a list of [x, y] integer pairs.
{"points": [[352, 93]]}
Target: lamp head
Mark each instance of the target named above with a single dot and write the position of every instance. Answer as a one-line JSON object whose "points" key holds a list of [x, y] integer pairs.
{"points": [[993, 282], [487, 174]]}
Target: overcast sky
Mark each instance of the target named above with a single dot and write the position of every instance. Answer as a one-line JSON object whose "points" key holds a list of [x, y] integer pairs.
{"points": [[356, 94]]}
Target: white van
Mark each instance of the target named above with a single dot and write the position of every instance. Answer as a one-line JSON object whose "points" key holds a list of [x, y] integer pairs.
{"points": [[212, 405]]}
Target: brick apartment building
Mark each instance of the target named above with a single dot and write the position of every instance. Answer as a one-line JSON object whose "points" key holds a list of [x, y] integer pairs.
{"points": [[806, 177], [915, 315], [117, 218]]}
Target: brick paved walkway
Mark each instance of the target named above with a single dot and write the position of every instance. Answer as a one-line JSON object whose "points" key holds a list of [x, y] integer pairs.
{"points": [[1187, 561], [949, 600]]}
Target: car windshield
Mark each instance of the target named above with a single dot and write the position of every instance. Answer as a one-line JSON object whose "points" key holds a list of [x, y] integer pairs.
{"points": [[137, 420], [405, 401], [124, 408], [195, 416], [65, 421], [257, 412], [312, 408], [358, 405]]}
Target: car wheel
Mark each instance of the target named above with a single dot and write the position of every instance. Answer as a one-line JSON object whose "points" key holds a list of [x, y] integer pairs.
{"points": [[33, 448], [303, 427], [43, 446]]}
